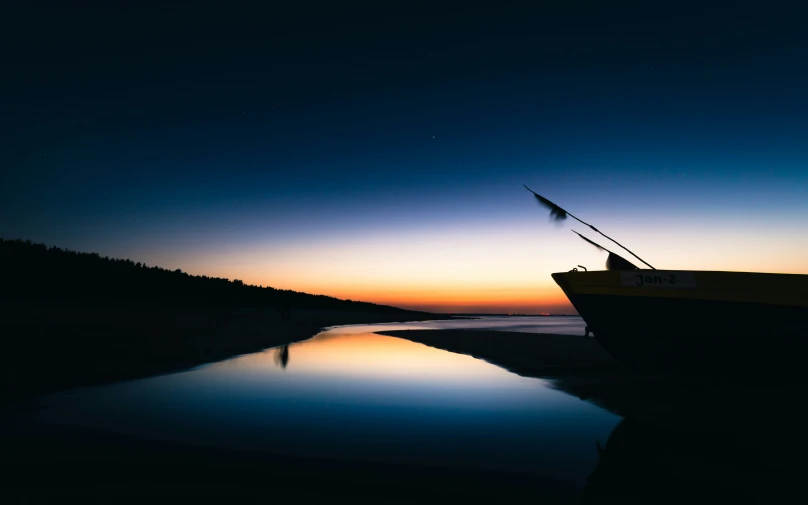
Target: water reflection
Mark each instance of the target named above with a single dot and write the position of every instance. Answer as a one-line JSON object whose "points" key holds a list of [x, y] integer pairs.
{"points": [[355, 412], [359, 413], [649, 463], [282, 356], [680, 438], [736, 438]]}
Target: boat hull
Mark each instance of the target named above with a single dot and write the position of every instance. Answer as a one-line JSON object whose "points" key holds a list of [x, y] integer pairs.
{"points": [[710, 321]]}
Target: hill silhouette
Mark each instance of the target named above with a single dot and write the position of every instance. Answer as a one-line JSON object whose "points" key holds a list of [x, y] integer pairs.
{"points": [[38, 272]]}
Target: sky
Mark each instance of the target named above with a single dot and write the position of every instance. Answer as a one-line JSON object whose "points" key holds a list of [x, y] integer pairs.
{"points": [[378, 152]]}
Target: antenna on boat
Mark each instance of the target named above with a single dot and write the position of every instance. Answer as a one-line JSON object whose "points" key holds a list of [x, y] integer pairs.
{"points": [[559, 214]]}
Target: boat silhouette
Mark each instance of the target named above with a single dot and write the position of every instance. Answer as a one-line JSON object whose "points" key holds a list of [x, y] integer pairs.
{"points": [[689, 320]]}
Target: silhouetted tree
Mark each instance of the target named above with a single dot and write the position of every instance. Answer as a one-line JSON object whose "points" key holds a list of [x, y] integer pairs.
{"points": [[36, 272]]}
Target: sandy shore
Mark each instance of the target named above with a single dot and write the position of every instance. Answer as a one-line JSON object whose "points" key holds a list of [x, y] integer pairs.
{"points": [[52, 347], [527, 354]]}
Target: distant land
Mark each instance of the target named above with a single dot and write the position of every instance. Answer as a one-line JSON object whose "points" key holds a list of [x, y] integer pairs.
{"points": [[71, 318]]}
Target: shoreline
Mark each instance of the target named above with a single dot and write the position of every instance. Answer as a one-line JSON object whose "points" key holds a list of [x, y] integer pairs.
{"points": [[578, 366], [52, 347], [538, 355]]}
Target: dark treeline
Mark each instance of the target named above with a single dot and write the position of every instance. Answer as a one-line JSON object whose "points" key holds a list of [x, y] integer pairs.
{"points": [[37, 272]]}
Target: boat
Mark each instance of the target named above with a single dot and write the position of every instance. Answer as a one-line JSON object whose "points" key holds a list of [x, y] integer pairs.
{"points": [[689, 320], [696, 321]]}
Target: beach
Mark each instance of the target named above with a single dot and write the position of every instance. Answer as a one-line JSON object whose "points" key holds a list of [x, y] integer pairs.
{"points": [[526, 354]]}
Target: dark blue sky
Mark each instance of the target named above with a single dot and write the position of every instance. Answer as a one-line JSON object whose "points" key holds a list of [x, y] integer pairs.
{"points": [[125, 126]]}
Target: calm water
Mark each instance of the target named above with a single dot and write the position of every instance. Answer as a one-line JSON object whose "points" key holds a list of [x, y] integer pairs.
{"points": [[346, 400]]}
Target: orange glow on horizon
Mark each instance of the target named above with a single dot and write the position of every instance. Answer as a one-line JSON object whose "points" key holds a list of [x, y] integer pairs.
{"points": [[547, 299], [531, 302], [483, 268]]}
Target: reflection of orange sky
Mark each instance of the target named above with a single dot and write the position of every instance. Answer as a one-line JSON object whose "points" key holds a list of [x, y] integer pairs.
{"points": [[370, 355]]}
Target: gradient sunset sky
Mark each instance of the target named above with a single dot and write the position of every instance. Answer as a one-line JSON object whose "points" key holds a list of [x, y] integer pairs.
{"points": [[377, 152]]}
